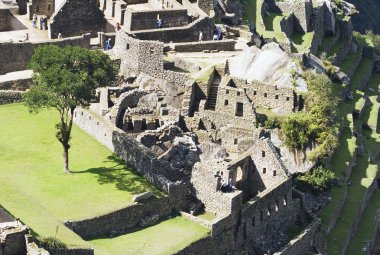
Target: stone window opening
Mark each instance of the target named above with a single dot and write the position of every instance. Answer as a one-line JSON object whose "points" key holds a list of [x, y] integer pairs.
{"points": [[127, 46], [245, 90], [235, 141], [151, 50], [49, 7], [227, 91], [263, 154], [265, 94], [82, 113], [287, 98], [226, 102], [274, 172], [253, 221], [264, 170], [239, 109], [238, 93], [254, 93], [144, 126], [276, 97]]}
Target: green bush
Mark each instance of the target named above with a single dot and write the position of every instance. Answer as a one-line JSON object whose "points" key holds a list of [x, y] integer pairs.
{"points": [[315, 126], [272, 122], [50, 243], [320, 179]]}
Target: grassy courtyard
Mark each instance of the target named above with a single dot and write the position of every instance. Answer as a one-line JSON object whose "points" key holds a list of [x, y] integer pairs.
{"points": [[166, 237], [35, 189]]}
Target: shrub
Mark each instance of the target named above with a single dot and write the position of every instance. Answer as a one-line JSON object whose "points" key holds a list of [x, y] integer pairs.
{"points": [[272, 122], [50, 243], [320, 179]]}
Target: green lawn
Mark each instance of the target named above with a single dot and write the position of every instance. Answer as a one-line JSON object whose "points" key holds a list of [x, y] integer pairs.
{"points": [[166, 237], [34, 187]]}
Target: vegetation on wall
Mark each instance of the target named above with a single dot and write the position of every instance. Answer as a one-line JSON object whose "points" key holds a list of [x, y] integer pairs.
{"points": [[320, 179], [315, 127]]}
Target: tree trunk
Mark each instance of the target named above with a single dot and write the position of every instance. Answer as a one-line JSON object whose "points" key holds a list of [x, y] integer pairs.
{"points": [[66, 159]]}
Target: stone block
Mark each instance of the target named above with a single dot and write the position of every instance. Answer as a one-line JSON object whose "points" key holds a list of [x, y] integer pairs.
{"points": [[141, 197]]}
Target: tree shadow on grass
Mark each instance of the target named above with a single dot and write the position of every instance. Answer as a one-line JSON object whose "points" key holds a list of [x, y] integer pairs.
{"points": [[123, 176]]}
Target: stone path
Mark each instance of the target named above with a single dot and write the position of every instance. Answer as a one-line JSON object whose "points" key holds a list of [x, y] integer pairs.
{"points": [[20, 25], [26, 74]]}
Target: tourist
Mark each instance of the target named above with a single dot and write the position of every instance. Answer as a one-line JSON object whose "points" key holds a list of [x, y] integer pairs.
{"points": [[108, 44], [118, 27], [34, 20], [200, 36], [224, 186], [230, 186], [215, 37], [159, 22], [43, 22], [59, 36]]}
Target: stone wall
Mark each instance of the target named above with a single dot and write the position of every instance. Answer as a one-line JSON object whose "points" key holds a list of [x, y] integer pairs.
{"points": [[302, 10], [142, 20], [41, 7], [134, 153], [5, 16], [302, 243], [15, 56], [139, 56], [356, 220], [12, 238], [287, 25], [223, 45], [263, 95], [120, 221], [318, 27], [77, 17], [21, 84], [189, 33], [9, 96]]}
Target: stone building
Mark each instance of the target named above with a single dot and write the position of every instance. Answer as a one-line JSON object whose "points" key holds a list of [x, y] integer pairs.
{"points": [[41, 7], [76, 17]]}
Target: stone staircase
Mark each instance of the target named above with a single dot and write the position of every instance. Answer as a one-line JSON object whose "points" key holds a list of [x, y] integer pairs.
{"points": [[213, 95]]}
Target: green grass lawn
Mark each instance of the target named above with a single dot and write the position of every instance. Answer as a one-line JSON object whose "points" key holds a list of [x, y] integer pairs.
{"points": [[167, 237], [302, 42], [34, 187]]}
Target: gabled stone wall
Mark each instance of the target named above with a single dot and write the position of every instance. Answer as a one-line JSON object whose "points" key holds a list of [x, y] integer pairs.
{"points": [[77, 17], [41, 7]]}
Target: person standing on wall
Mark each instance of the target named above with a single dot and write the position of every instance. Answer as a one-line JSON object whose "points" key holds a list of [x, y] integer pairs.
{"points": [[159, 22], [200, 36]]}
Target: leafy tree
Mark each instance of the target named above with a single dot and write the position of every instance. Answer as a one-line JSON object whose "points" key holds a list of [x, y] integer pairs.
{"points": [[297, 132], [65, 78], [319, 179]]}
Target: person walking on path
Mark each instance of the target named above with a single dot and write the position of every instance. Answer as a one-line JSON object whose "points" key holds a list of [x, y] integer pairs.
{"points": [[108, 44], [200, 36]]}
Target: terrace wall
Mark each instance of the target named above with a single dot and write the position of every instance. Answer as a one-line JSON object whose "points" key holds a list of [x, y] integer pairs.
{"points": [[120, 221], [5, 16], [9, 96], [15, 56]]}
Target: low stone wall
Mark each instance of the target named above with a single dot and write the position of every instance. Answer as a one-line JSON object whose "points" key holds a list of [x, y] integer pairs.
{"points": [[223, 45], [16, 56], [189, 33], [77, 251], [9, 96], [302, 243], [142, 20], [120, 221], [19, 84]]}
